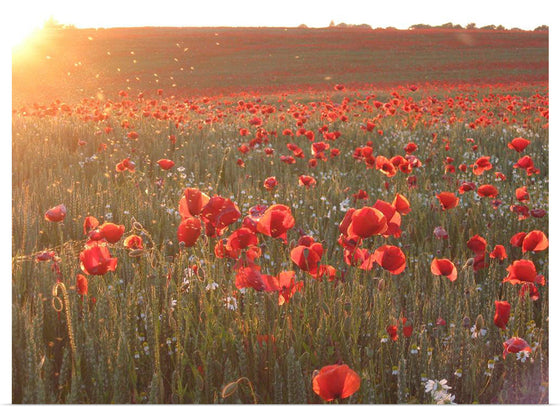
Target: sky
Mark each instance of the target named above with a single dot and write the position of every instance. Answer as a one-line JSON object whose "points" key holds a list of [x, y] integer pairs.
{"points": [[284, 13]]}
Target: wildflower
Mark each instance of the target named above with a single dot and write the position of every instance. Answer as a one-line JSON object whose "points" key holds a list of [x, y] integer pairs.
{"points": [[521, 271], [111, 232], [81, 284], [391, 258], [367, 222], [515, 345], [188, 231], [501, 317], [95, 259], [230, 303], [448, 200], [335, 382], [165, 164], [534, 241], [56, 214], [444, 267]]}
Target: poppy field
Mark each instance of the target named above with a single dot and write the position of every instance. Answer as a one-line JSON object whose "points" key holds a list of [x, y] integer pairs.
{"points": [[346, 243]]}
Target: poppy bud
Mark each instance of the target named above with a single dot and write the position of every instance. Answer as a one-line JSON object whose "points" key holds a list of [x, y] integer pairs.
{"points": [[137, 225], [229, 389], [381, 284], [469, 262], [466, 322], [479, 323]]}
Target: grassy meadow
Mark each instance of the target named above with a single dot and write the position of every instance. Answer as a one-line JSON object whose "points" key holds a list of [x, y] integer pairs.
{"points": [[199, 321]]}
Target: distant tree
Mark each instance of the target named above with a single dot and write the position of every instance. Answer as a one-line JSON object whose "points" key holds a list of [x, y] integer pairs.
{"points": [[302, 26], [51, 23], [419, 26], [488, 27], [446, 25], [500, 27], [541, 28], [332, 24], [471, 26], [342, 25], [366, 26]]}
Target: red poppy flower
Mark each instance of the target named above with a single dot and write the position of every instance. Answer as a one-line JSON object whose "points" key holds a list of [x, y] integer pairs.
{"points": [[132, 135], [444, 267], [499, 252], [367, 222], [526, 163], [393, 332], [410, 148], [489, 191], [111, 232], [385, 166], [501, 176], [517, 239], [326, 270], [250, 277], [96, 259], [285, 284], [518, 144], [467, 186], [448, 200], [56, 214], [336, 382], [307, 180], [166, 164], [45, 256], [538, 213], [360, 195], [481, 165], [522, 211], [477, 244], [192, 202], [133, 242], [188, 231], [401, 204], [287, 159], [270, 183], [391, 258], [393, 218], [532, 289], [515, 345], [479, 262], [307, 257], [126, 165], [218, 214], [523, 271], [221, 251], [90, 223], [501, 317], [521, 194], [241, 239], [276, 221], [81, 284], [534, 241]]}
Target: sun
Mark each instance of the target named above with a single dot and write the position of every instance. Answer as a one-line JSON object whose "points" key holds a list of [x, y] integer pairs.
{"points": [[18, 37]]}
